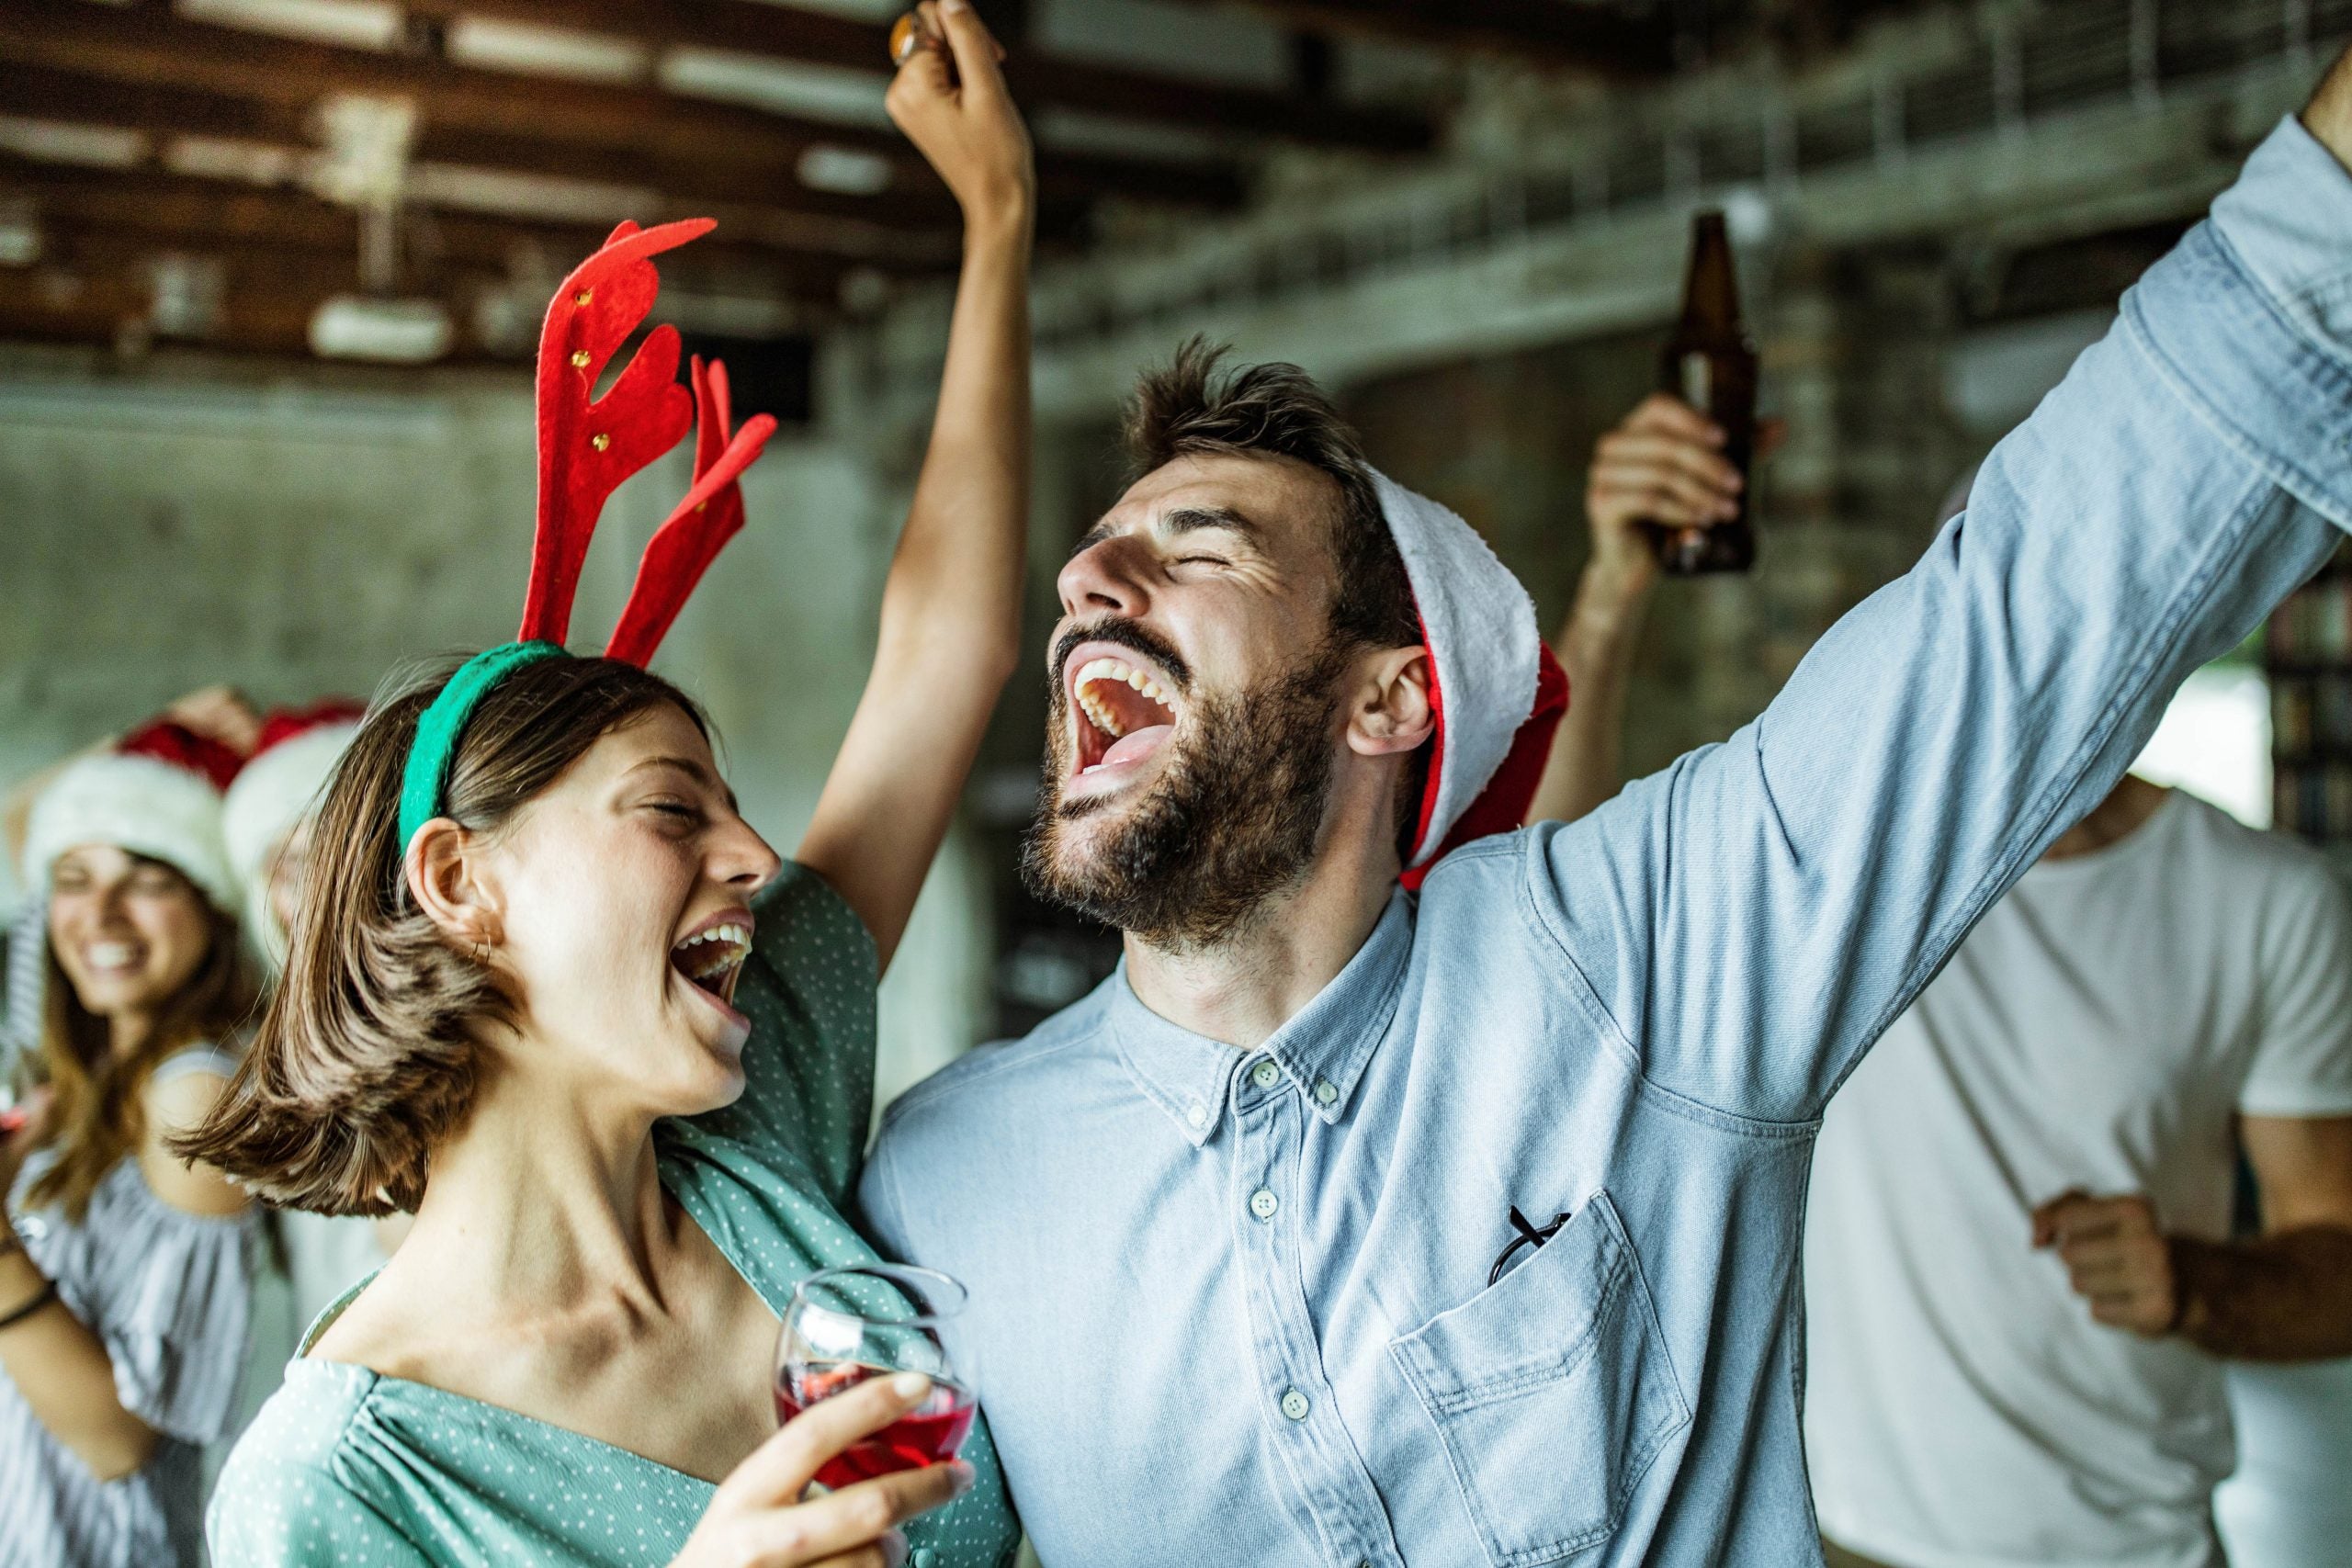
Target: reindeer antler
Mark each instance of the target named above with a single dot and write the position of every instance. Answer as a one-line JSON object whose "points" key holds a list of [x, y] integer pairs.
{"points": [[586, 449], [683, 548]]}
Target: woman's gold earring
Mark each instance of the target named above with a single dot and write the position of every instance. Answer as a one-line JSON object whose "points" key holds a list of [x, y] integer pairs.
{"points": [[481, 954]]}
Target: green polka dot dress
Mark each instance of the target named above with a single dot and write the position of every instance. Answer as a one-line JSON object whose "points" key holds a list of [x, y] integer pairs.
{"points": [[349, 1468]]}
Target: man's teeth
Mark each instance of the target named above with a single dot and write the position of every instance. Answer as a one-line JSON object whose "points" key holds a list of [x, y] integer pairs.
{"points": [[1097, 711], [1101, 717], [713, 952]]}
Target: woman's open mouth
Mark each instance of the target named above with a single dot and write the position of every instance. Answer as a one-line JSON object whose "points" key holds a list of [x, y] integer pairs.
{"points": [[712, 958], [1123, 715]]}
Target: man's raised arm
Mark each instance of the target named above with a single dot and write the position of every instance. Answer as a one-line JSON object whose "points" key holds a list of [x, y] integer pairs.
{"points": [[1752, 916]]}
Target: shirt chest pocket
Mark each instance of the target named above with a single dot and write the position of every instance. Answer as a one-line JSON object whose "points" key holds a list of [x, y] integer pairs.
{"points": [[1552, 1393]]}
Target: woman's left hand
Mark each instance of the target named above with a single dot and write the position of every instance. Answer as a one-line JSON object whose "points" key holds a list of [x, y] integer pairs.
{"points": [[220, 713], [964, 120]]}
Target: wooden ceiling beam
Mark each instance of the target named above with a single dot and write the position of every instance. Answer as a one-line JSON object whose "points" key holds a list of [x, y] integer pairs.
{"points": [[104, 306], [148, 45], [85, 249], [162, 109], [816, 37], [171, 211], [1592, 37]]}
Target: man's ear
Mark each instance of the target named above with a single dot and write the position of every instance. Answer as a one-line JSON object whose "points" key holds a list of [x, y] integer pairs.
{"points": [[1392, 711], [444, 875]]}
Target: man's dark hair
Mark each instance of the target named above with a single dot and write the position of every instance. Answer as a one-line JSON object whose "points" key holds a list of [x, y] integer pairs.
{"points": [[1193, 406]]}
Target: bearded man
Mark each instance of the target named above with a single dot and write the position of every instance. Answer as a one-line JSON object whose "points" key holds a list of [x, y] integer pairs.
{"points": [[1347, 1224]]}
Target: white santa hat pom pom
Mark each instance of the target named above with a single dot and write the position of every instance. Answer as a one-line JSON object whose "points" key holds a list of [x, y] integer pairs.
{"points": [[270, 798]]}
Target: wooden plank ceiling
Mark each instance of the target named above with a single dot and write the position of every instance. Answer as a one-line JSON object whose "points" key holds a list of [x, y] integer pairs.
{"points": [[143, 142]]}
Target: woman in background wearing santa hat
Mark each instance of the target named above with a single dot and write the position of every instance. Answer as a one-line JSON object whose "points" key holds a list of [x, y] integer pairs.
{"points": [[267, 829], [124, 1273]]}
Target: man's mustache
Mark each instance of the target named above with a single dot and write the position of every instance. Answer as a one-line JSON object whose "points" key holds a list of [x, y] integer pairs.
{"points": [[1126, 634]]}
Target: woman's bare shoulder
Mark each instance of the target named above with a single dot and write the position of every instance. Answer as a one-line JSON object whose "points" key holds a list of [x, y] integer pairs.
{"points": [[176, 1103]]}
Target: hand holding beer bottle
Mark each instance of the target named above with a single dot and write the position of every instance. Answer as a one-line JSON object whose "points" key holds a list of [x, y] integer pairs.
{"points": [[1667, 470], [1711, 366]]}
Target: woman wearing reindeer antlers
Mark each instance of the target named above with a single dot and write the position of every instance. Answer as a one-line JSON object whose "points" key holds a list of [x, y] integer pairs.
{"points": [[509, 1006]]}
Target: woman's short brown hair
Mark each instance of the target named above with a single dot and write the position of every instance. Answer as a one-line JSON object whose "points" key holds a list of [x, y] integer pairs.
{"points": [[367, 1056]]}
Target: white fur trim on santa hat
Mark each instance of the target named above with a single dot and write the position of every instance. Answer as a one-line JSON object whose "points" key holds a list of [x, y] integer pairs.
{"points": [[270, 795], [275, 790], [1483, 639], [140, 804]]}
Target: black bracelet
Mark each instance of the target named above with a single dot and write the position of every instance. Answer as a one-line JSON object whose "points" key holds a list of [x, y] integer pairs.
{"points": [[47, 1293]]}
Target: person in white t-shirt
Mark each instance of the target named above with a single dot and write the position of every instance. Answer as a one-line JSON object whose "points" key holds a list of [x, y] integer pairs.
{"points": [[2020, 1278]]}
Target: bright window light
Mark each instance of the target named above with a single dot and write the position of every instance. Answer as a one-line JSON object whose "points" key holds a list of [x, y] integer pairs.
{"points": [[2214, 743]]}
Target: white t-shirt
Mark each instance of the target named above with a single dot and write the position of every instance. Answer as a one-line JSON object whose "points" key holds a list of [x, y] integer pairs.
{"points": [[2098, 1029]]}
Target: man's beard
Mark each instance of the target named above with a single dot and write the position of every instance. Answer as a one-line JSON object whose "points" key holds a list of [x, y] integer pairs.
{"points": [[1234, 819]]}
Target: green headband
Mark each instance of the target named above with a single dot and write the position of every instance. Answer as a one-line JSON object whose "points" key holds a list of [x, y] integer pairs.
{"points": [[426, 777]]}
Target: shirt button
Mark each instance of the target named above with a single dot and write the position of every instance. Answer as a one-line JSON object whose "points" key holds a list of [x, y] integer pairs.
{"points": [[1263, 1203], [1324, 1091], [1265, 1074], [1294, 1405], [924, 1557], [1198, 1116]]}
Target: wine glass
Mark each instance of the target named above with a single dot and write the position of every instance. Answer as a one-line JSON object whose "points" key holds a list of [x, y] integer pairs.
{"points": [[845, 1325]]}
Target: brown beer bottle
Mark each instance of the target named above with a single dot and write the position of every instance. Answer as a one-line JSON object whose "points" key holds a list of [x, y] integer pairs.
{"points": [[1710, 364]]}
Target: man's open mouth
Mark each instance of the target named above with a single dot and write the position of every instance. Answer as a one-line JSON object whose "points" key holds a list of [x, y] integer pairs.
{"points": [[1124, 714], [712, 958]]}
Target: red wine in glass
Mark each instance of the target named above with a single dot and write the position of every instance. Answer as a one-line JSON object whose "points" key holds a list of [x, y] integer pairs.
{"points": [[845, 1325], [929, 1434]]}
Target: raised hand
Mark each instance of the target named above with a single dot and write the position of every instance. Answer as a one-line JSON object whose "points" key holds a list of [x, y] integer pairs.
{"points": [[2117, 1257], [756, 1518], [962, 119], [221, 714], [1663, 465]]}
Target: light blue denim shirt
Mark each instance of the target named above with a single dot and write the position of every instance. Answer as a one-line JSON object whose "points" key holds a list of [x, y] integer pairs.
{"points": [[1232, 1308]]}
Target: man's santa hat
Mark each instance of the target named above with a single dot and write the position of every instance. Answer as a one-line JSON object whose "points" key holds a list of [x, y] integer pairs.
{"points": [[156, 793], [277, 787], [1496, 689]]}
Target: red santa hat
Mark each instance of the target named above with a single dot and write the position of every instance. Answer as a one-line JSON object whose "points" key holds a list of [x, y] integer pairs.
{"points": [[157, 793], [279, 784], [1496, 689]]}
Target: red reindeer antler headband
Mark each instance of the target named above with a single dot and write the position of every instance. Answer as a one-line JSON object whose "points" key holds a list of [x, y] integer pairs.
{"points": [[587, 446]]}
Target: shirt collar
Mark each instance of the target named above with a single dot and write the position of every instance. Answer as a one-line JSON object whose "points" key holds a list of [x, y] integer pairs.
{"points": [[1323, 1050]]}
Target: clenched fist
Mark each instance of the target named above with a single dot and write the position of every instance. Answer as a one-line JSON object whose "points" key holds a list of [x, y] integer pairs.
{"points": [[2117, 1257], [961, 118]]}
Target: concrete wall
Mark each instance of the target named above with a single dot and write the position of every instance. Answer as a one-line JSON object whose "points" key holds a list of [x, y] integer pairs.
{"points": [[300, 535]]}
